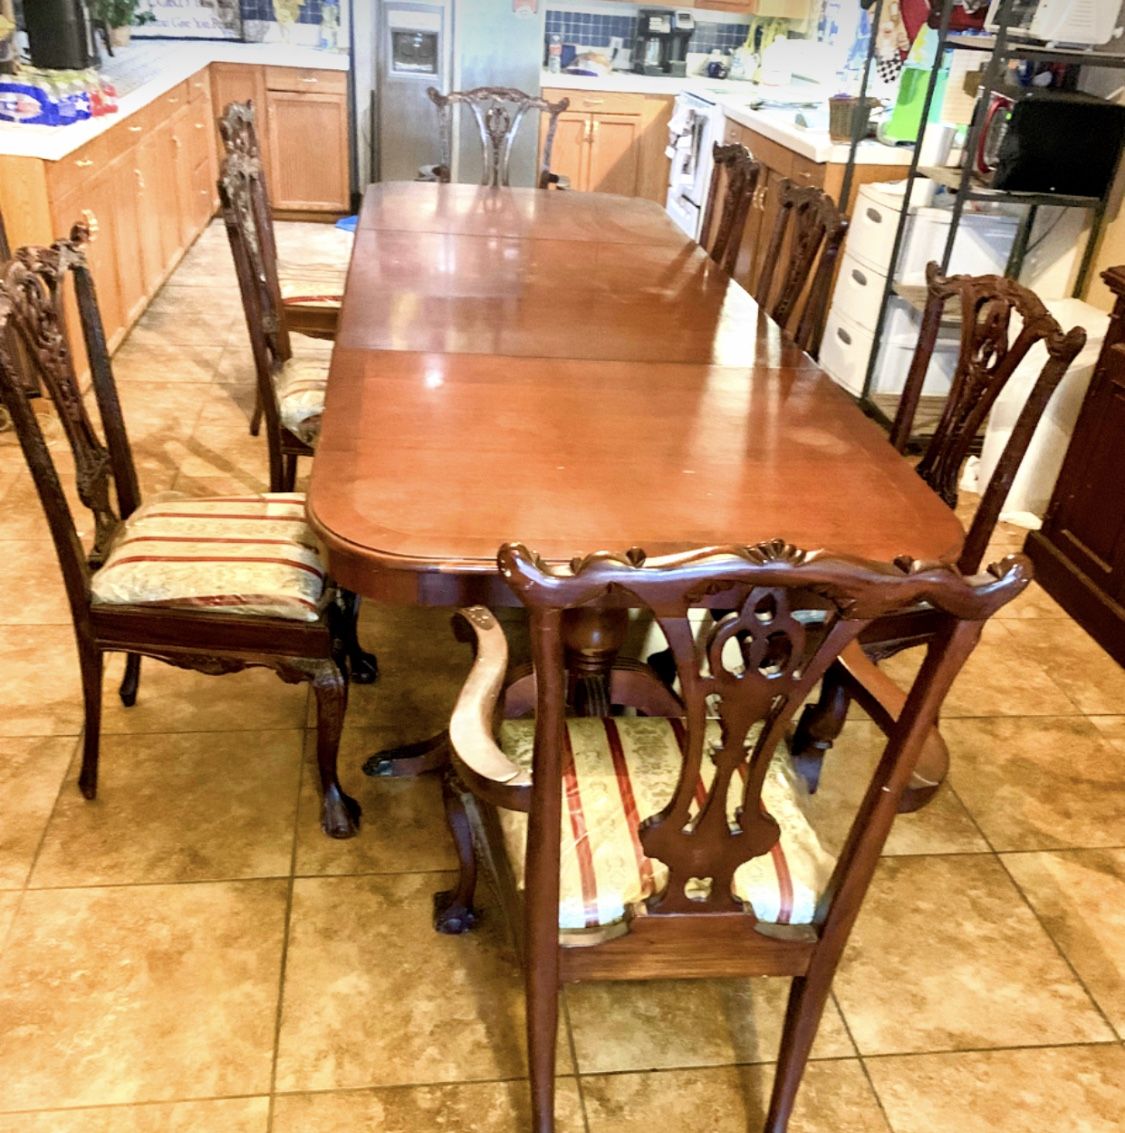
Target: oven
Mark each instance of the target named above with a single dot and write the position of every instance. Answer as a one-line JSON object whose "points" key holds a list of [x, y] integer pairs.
{"points": [[696, 125]]}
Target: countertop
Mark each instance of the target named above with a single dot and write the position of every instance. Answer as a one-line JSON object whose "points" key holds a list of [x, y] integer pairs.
{"points": [[733, 96], [146, 70]]}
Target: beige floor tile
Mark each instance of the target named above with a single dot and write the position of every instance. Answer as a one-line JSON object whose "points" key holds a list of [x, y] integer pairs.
{"points": [[31, 585], [403, 828], [188, 316], [469, 1107], [930, 964], [40, 687], [138, 361], [943, 826], [834, 1098], [1037, 784], [1079, 1088], [230, 402], [375, 997], [1034, 602], [1080, 896], [9, 902], [140, 993], [21, 514], [180, 700], [190, 807], [227, 1115], [1112, 728], [999, 679], [161, 410], [217, 455], [31, 772], [666, 1024], [1075, 661]]}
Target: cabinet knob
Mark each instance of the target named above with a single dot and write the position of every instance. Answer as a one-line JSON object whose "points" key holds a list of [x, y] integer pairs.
{"points": [[201, 125], [593, 101], [309, 79], [140, 179], [84, 162], [91, 220], [173, 99], [136, 129]]}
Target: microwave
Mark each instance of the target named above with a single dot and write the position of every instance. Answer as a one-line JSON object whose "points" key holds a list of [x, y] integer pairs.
{"points": [[1078, 23]]}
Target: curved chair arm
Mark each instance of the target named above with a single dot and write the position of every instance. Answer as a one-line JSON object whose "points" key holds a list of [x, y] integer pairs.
{"points": [[471, 734]]}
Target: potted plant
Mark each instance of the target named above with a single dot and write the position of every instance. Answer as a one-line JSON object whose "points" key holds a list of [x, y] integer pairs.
{"points": [[120, 16]]}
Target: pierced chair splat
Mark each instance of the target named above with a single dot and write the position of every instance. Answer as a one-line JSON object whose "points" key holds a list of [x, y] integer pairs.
{"points": [[215, 585], [803, 249], [1001, 323], [640, 848], [736, 178], [498, 113], [312, 291]]}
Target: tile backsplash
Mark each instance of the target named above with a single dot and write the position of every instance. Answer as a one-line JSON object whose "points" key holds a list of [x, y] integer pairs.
{"points": [[263, 10], [594, 29]]}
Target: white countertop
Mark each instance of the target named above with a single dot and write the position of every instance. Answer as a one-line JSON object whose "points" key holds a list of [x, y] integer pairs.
{"points": [[733, 97], [152, 68]]}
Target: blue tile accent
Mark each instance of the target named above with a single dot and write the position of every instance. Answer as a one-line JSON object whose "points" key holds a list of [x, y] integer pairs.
{"points": [[595, 29], [263, 10]]}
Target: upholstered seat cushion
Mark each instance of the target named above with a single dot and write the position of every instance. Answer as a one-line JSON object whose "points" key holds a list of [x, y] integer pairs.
{"points": [[313, 285], [617, 772], [230, 554]]}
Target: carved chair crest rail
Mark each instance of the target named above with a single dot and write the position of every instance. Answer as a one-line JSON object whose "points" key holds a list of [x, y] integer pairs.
{"points": [[738, 174]]}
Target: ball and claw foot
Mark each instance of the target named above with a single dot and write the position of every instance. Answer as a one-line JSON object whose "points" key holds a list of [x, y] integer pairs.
{"points": [[363, 667], [450, 916], [341, 816]]}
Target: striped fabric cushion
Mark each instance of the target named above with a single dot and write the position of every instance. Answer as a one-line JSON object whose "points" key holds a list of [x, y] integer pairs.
{"points": [[301, 383], [313, 285], [231, 554], [617, 772]]}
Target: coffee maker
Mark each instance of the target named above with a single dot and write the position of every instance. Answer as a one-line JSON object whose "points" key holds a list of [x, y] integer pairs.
{"points": [[662, 41], [60, 35]]}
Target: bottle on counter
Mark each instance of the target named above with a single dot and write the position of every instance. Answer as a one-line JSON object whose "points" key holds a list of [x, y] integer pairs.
{"points": [[554, 54], [329, 26]]}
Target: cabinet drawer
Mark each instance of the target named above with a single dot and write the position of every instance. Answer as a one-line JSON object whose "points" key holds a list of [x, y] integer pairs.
{"points": [[770, 154], [68, 174], [297, 79], [599, 102], [199, 86], [859, 290]]}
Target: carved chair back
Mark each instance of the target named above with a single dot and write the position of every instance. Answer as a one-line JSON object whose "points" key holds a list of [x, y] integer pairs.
{"points": [[993, 344], [738, 173], [498, 113], [805, 242], [246, 215], [790, 613], [31, 286]]}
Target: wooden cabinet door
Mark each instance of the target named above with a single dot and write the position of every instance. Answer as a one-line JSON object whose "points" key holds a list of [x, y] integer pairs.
{"points": [[154, 186], [237, 82], [127, 224], [571, 151], [1086, 518], [308, 165], [183, 169], [615, 153]]}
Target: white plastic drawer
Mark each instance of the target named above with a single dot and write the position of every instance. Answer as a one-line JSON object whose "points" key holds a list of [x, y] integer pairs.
{"points": [[845, 350], [859, 290], [981, 247], [871, 233]]}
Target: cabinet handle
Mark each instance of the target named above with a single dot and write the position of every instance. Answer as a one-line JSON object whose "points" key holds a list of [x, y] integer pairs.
{"points": [[309, 79], [874, 216], [84, 162], [140, 179], [859, 277], [805, 176], [176, 141], [91, 219], [136, 129], [173, 99], [843, 336], [593, 101], [201, 125], [593, 130]]}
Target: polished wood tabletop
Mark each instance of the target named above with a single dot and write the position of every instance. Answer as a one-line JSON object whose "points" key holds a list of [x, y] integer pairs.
{"points": [[567, 369]]}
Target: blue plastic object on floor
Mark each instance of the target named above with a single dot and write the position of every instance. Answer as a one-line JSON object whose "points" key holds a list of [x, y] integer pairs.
{"points": [[348, 223]]}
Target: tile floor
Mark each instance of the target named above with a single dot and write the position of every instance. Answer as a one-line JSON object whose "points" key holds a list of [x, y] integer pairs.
{"points": [[190, 955]]}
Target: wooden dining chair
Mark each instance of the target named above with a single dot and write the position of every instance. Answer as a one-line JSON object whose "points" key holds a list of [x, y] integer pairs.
{"points": [[291, 370], [641, 848], [795, 280], [311, 292], [735, 178], [210, 584], [1001, 321], [498, 113]]}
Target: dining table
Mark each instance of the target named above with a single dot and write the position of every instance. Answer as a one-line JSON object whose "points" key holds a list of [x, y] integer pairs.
{"points": [[570, 370]]}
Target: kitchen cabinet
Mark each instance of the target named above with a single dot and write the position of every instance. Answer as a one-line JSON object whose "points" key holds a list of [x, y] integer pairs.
{"points": [[1079, 553], [237, 82], [608, 142]]}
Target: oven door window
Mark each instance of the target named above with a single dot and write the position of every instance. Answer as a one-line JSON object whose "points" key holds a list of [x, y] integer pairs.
{"points": [[414, 52]]}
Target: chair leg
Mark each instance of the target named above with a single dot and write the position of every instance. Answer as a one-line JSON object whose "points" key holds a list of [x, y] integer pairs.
{"points": [[341, 813], [542, 1036], [807, 998], [363, 667], [131, 680], [453, 908], [256, 416], [91, 663], [818, 728], [289, 476]]}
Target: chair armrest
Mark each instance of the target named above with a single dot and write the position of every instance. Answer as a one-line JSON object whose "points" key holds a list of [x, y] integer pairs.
{"points": [[470, 727]]}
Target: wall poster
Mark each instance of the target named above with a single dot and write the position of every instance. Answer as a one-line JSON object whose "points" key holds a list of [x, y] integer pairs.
{"points": [[192, 19]]}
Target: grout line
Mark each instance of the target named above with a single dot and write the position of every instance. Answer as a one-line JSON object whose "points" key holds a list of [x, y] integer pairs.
{"points": [[285, 936], [1077, 1044], [859, 1056], [564, 1004]]}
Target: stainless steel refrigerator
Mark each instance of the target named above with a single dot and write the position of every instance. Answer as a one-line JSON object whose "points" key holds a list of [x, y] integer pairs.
{"points": [[401, 47]]}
